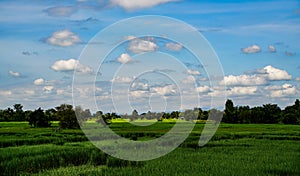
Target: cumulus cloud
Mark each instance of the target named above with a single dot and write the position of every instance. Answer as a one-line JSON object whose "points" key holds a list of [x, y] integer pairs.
{"points": [[71, 65], [193, 72], [250, 90], [272, 49], [138, 93], [251, 49], [189, 80], [39, 81], [124, 58], [140, 4], [140, 86], [141, 46], [61, 11], [174, 46], [14, 74], [29, 92], [119, 79], [164, 90], [63, 38], [297, 79], [48, 89], [285, 91], [5, 92], [203, 89], [276, 74], [268, 73], [246, 80]]}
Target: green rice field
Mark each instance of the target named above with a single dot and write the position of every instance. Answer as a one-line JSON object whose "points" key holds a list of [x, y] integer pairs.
{"points": [[236, 149]]}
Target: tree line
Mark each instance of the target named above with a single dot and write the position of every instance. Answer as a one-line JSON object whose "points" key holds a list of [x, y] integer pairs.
{"points": [[267, 113], [70, 117]]}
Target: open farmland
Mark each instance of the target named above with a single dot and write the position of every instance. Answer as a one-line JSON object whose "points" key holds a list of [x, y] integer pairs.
{"points": [[236, 149]]}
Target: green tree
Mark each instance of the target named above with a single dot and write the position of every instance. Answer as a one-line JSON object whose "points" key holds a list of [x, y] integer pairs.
{"points": [[19, 113], [230, 112], [51, 114], [272, 113], [67, 116], [82, 115], [134, 115], [291, 114], [37, 118]]}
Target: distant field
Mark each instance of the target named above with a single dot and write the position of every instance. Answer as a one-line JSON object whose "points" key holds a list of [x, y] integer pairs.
{"points": [[236, 149]]}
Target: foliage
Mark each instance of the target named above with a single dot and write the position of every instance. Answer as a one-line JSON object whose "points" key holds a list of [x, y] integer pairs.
{"points": [[67, 116], [37, 118]]}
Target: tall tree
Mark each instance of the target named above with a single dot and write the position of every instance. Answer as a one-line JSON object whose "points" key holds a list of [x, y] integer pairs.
{"points": [[37, 118], [230, 112], [67, 116], [272, 113]]}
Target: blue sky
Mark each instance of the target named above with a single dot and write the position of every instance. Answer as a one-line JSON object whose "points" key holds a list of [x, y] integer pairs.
{"points": [[257, 43]]}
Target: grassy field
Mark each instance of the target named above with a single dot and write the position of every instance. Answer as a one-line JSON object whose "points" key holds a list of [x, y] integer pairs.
{"points": [[234, 150]]}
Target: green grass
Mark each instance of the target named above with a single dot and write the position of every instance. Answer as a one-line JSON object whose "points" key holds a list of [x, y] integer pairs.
{"points": [[236, 149]]}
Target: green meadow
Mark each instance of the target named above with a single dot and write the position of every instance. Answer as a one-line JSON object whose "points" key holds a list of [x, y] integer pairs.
{"points": [[236, 149]]}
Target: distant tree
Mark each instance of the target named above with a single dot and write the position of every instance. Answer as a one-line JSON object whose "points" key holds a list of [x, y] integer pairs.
{"points": [[103, 119], [174, 114], [134, 115], [189, 115], [272, 113], [8, 114], [166, 115], [19, 113], [67, 116], [230, 115], [82, 115], [257, 115], [291, 114], [107, 118], [37, 118], [51, 114], [244, 114]]}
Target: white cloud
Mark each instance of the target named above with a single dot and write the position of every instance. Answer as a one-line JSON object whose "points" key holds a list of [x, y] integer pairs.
{"points": [[243, 80], [60, 91], [124, 58], [174, 46], [243, 90], [141, 46], [29, 92], [203, 89], [71, 65], [286, 90], [140, 4], [298, 79], [122, 79], [189, 80], [251, 49], [39, 81], [138, 93], [276, 74], [5, 92], [272, 49], [130, 37], [61, 11], [268, 73], [140, 86], [164, 90], [63, 38], [14, 74], [193, 72], [48, 89], [272, 87]]}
